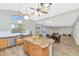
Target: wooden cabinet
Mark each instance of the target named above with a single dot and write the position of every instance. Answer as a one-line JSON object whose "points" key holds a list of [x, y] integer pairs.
{"points": [[34, 50], [19, 41], [3, 43], [26, 47]]}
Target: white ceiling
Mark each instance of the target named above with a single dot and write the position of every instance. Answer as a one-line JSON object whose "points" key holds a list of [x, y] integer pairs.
{"points": [[56, 9]]}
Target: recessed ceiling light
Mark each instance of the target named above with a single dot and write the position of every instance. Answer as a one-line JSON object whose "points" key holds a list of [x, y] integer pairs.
{"points": [[44, 29]]}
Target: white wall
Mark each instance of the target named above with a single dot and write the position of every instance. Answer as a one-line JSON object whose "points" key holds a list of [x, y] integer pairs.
{"points": [[76, 32], [60, 30], [63, 29], [5, 20], [48, 28]]}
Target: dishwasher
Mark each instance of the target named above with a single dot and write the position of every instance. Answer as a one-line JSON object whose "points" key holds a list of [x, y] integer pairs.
{"points": [[11, 41]]}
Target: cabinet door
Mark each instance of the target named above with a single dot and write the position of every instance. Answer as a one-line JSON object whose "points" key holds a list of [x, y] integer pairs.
{"points": [[19, 41], [3, 43], [26, 46], [35, 50]]}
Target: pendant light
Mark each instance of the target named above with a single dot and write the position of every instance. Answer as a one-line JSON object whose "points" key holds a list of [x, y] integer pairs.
{"points": [[19, 21], [13, 26], [26, 16]]}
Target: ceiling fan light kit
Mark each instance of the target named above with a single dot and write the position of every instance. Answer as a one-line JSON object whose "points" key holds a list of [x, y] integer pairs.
{"points": [[36, 13], [45, 5], [40, 13]]}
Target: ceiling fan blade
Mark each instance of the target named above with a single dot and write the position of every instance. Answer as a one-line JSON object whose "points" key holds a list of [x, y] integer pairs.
{"points": [[33, 8], [44, 12], [32, 13]]}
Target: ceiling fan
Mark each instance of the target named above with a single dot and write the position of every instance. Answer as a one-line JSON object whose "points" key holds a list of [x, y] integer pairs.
{"points": [[38, 10]]}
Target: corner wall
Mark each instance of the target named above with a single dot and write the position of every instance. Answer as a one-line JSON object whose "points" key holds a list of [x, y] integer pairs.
{"points": [[76, 32]]}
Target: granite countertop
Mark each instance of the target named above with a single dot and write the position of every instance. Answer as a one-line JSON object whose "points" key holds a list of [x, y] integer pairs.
{"points": [[42, 42], [3, 35], [9, 34]]}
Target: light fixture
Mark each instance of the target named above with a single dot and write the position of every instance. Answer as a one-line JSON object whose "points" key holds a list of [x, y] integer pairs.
{"points": [[44, 29], [19, 21], [41, 9], [26, 17], [38, 13], [13, 26]]}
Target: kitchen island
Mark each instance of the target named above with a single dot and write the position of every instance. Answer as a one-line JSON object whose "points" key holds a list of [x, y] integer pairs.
{"points": [[38, 46]]}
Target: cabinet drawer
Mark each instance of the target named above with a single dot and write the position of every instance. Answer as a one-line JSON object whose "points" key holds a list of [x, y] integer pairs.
{"points": [[3, 43]]}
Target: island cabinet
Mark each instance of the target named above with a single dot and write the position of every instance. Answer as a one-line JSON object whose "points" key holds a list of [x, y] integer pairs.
{"points": [[34, 50], [26, 47], [3, 43], [39, 47]]}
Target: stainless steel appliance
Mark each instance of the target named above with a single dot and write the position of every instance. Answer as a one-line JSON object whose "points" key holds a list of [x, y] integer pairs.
{"points": [[11, 41]]}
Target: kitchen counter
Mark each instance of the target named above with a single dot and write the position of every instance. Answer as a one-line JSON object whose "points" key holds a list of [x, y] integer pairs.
{"points": [[9, 34], [41, 42], [8, 39], [6, 35], [38, 46]]}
